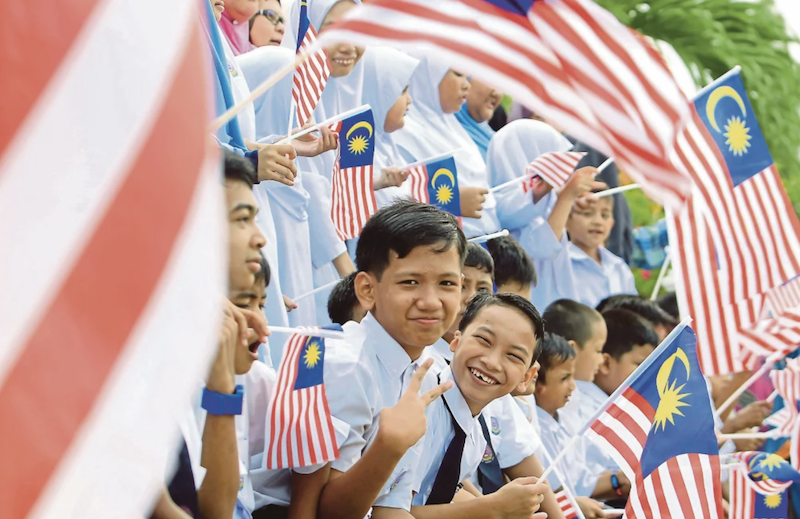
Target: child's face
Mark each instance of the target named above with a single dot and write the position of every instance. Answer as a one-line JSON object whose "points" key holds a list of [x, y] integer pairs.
{"points": [[554, 392], [342, 57], [245, 239], [493, 355], [417, 297], [474, 281], [590, 227], [453, 90], [395, 117], [253, 299], [589, 358], [613, 372]]}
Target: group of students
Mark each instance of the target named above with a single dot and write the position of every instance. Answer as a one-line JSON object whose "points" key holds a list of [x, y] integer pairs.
{"points": [[450, 391]]}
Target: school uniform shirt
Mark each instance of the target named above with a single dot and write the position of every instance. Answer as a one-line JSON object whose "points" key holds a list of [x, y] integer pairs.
{"points": [[527, 404], [364, 373], [555, 278], [585, 401], [610, 277], [572, 466], [441, 431]]}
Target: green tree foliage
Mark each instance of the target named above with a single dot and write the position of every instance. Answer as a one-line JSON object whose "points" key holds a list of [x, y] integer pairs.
{"points": [[713, 36]]}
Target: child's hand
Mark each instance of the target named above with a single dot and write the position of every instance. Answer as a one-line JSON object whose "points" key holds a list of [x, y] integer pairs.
{"points": [[591, 509], [390, 177], [401, 426], [275, 162], [472, 199], [581, 182], [289, 304], [521, 498], [309, 145]]}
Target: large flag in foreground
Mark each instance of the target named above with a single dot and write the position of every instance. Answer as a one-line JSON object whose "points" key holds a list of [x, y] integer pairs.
{"points": [[659, 427], [570, 61], [102, 301]]}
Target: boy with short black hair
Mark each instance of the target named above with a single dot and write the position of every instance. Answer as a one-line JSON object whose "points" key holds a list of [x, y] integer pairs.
{"points": [[494, 351], [630, 340], [343, 304], [661, 321], [514, 270], [409, 258]]}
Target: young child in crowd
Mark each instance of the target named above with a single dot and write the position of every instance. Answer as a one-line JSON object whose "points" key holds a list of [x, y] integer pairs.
{"points": [[661, 321], [494, 351], [514, 270], [343, 305]]}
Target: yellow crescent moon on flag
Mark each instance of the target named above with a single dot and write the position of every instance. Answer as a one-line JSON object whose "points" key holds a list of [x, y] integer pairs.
{"points": [[716, 96], [445, 172], [362, 124]]}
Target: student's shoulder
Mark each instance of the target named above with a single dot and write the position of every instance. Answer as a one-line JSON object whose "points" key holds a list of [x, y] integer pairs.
{"points": [[347, 357]]}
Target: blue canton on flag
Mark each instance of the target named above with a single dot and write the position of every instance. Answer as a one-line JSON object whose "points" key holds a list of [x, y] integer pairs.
{"points": [[443, 186], [727, 114], [771, 506], [357, 139], [304, 23], [310, 363]]}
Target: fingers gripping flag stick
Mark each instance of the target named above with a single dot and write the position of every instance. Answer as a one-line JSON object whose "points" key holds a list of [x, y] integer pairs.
{"points": [[554, 168], [301, 429], [659, 427]]}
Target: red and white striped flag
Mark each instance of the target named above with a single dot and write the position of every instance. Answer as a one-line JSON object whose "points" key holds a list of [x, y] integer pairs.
{"points": [[353, 197], [784, 298], [108, 316], [311, 76], [300, 426], [555, 167], [568, 60], [568, 506], [787, 384], [750, 500]]}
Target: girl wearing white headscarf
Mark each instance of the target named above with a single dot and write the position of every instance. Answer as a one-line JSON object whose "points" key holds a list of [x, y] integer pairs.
{"points": [[387, 73], [432, 129], [342, 92]]}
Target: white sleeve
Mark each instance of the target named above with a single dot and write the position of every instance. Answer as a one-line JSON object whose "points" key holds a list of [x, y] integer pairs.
{"points": [[513, 437]]}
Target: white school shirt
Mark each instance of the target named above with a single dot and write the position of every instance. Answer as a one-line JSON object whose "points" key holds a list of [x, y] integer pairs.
{"points": [[572, 466], [583, 404], [610, 277], [527, 404], [441, 432], [364, 373]]}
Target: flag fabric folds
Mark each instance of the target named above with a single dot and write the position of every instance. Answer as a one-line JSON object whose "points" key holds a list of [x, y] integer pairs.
{"points": [[659, 428], [353, 197], [749, 501], [787, 384], [555, 167], [568, 60], [300, 427], [436, 183], [310, 76]]}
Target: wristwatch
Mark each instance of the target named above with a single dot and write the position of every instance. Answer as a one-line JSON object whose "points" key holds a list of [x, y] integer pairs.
{"points": [[221, 404]]}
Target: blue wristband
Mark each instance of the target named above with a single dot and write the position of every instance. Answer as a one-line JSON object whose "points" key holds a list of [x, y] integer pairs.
{"points": [[615, 484], [220, 404]]}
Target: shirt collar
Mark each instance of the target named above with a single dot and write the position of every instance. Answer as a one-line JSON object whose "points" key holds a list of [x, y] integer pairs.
{"points": [[576, 254], [389, 352], [459, 407], [442, 347], [546, 421]]}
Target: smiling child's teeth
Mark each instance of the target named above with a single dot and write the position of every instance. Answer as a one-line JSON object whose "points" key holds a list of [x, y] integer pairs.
{"points": [[481, 376]]}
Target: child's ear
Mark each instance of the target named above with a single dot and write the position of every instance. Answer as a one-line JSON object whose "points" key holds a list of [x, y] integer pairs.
{"points": [[605, 367], [455, 341], [574, 346], [365, 285], [526, 380]]}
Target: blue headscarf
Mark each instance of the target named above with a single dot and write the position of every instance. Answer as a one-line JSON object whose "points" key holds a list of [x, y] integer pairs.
{"points": [[481, 133], [230, 133]]}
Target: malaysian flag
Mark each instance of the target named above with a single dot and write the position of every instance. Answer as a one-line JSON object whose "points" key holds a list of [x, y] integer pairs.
{"points": [[436, 183], [749, 501], [659, 428], [310, 76], [783, 299], [754, 227], [568, 506], [300, 425], [353, 198], [787, 384], [104, 305], [554, 167], [568, 60]]}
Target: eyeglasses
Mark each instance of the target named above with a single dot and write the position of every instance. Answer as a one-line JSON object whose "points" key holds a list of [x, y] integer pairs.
{"points": [[270, 15]]}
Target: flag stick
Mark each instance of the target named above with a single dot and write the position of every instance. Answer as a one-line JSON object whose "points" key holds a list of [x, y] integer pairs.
{"points": [[613, 512], [487, 237], [560, 477], [749, 382], [772, 396], [509, 183], [661, 276], [615, 190], [622, 387], [326, 122], [308, 332], [430, 159], [605, 164], [750, 436], [268, 83], [318, 289]]}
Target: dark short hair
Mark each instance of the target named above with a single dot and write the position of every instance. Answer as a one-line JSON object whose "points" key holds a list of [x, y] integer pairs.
{"points": [[264, 273], [239, 169], [402, 227], [511, 263], [571, 320], [479, 258], [645, 308], [626, 330], [484, 299], [343, 301], [555, 350], [669, 303]]}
